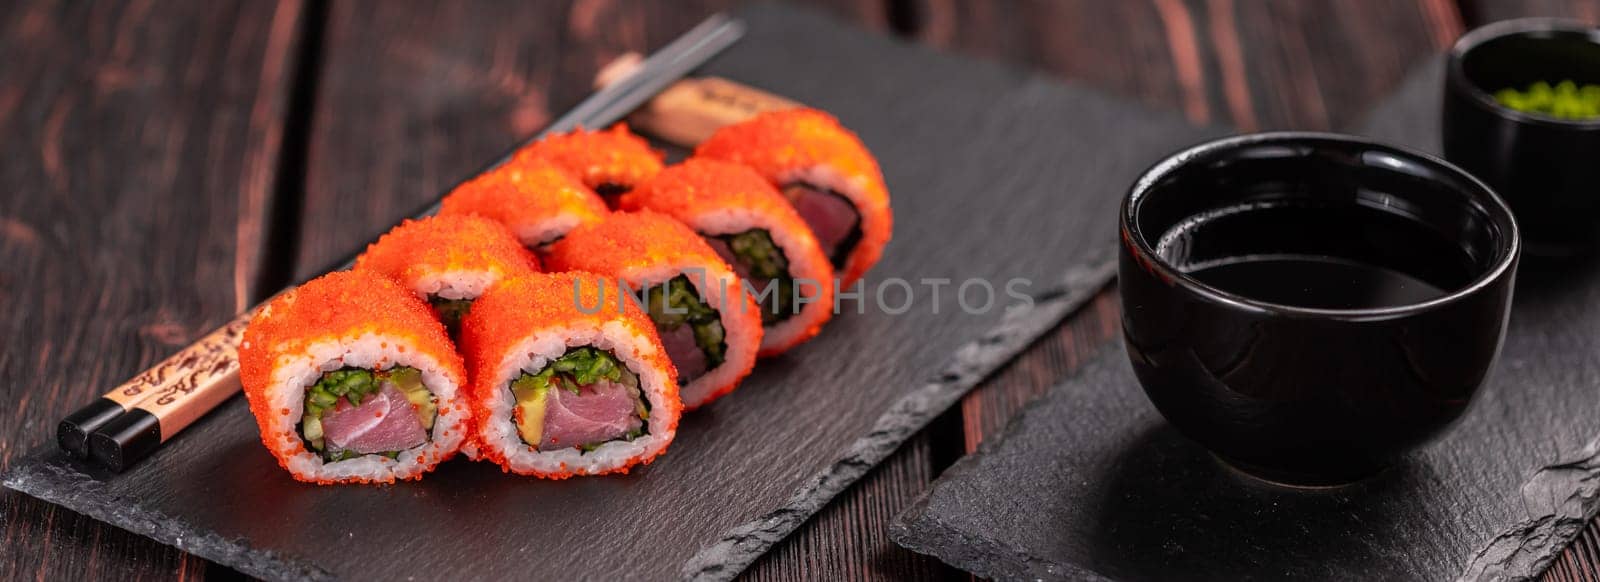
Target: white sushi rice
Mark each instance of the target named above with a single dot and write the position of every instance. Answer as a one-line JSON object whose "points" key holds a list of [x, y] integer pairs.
{"points": [[715, 285], [291, 375], [535, 234], [461, 284], [539, 349], [823, 176], [802, 267]]}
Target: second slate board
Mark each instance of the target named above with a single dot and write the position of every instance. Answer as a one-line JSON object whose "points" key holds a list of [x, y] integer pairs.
{"points": [[997, 175], [1090, 481]]}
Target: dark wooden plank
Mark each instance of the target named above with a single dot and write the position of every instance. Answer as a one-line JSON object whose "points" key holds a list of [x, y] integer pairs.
{"points": [[1316, 65], [142, 141], [1124, 46], [1252, 64], [1579, 562], [1478, 12]]}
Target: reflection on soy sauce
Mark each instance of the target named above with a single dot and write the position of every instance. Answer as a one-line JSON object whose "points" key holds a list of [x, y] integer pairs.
{"points": [[1318, 255]]}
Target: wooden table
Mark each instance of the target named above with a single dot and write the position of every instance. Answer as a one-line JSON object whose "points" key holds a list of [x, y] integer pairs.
{"points": [[169, 163]]}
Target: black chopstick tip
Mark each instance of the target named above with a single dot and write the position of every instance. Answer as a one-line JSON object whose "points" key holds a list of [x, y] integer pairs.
{"points": [[125, 441], [73, 431]]}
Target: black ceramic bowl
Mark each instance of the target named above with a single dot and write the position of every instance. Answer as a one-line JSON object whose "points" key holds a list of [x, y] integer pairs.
{"points": [[1547, 168], [1311, 306]]}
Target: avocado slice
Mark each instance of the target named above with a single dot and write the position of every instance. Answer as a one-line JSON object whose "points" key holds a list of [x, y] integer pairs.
{"points": [[409, 382], [312, 429], [530, 392]]}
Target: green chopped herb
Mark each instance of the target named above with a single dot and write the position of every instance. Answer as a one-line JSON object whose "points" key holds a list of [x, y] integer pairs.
{"points": [[577, 368], [1565, 100], [763, 260], [709, 337], [756, 250], [675, 303]]}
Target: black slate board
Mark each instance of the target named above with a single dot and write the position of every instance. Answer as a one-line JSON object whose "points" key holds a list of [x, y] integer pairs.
{"points": [[996, 173], [1090, 482]]}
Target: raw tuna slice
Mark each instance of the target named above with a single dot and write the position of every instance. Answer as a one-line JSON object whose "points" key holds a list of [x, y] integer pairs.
{"points": [[739, 268], [384, 422], [600, 412], [684, 351], [830, 216]]}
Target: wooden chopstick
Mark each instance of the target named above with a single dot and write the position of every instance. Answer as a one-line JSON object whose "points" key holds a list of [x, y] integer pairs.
{"points": [[132, 421], [692, 109], [200, 377]]}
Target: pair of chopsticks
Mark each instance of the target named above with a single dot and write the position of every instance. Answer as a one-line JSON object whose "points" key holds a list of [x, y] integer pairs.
{"points": [[131, 421]]}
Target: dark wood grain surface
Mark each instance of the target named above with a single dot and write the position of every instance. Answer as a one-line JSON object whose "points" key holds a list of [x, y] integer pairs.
{"points": [[167, 163], [141, 157]]}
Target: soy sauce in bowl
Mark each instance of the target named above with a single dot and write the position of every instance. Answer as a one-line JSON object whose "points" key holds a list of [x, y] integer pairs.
{"points": [[1310, 307], [1319, 255]]}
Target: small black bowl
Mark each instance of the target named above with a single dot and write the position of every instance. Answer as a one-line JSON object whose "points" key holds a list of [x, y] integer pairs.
{"points": [[1309, 307], [1547, 168]]}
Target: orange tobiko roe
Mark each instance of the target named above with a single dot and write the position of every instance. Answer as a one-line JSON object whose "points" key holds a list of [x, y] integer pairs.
{"points": [[520, 307], [779, 144], [526, 195], [697, 186], [645, 241], [698, 191], [441, 244], [630, 240], [339, 306], [610, 162]]}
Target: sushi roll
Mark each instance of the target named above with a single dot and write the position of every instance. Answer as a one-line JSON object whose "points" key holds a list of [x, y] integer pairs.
{"points": [[709, 326], [825, 172], [610, 162], [352, 380], [567, 379], [534, 198], [748, 223], [448, 261]]}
